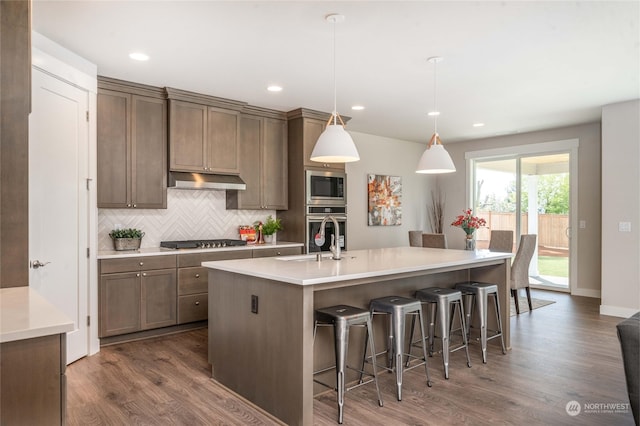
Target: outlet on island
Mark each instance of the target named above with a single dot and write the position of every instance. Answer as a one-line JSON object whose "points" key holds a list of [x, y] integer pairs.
{"points": [[254, 304]]}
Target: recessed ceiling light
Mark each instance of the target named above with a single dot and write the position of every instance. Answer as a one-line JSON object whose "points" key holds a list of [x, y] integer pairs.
{"points": [[478, 124], [139, 56], [274, 88], [357, 107], [433, 113]]}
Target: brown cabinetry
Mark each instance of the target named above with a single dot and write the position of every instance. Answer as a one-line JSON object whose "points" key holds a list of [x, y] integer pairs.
{"points": [[132, 145], [33, 381], [263, 163], [193, 298], [305, 127], [283, 251], [203, 133], [137, 293]]}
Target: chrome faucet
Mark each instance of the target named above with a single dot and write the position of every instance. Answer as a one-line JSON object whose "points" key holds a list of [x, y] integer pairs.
{"points": [[335, 238]]}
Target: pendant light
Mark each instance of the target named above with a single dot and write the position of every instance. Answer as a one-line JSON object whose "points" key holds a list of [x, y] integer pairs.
{"points": [[435, 158], [334, 144]]}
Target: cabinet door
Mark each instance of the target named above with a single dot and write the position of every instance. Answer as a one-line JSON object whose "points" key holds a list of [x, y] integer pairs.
{"points": [[187, 136], [159, 295], [32, 389], [222, 135], [274, 165], [148, 152], [311, 130], [114, 156], [119, 303], [250, 132]]}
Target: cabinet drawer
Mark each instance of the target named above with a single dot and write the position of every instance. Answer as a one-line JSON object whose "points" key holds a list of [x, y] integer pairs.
{"points": [[192, 280], [128, 264], [270, 252], [195, 259], [192, 308]]}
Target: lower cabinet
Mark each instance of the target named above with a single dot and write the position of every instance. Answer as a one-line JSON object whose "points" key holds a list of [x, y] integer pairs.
{"points": [[148, 292], [33, 381], [137, 300], [193, 301]]}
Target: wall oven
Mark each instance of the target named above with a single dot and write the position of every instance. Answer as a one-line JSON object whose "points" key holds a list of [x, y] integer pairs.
{"points": [[326, 188], [314, 217]]}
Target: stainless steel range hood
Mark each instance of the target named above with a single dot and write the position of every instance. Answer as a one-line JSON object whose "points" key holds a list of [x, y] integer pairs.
{"points": [[181, 180]]}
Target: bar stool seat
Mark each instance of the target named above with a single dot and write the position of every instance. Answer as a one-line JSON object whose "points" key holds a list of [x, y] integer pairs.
{"points": [[397, 308], [440, 301], [477, 294], [341, 317]]}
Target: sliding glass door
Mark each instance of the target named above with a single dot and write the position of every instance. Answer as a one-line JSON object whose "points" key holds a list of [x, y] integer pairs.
{"points": [[529, 194]]}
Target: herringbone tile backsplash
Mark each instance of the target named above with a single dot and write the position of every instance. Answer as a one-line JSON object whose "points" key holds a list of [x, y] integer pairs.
{"points": [[190, 215]]}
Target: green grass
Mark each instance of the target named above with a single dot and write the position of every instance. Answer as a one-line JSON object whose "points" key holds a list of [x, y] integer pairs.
{"points": [[553, 266]]}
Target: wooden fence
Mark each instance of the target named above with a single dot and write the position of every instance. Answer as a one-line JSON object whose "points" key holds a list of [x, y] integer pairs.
{"points": [[551, 227]]}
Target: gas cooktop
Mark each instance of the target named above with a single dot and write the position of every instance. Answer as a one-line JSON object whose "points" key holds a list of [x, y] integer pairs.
{"points": [[194, 244]]}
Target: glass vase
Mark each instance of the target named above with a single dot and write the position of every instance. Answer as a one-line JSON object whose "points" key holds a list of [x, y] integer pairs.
{"points": [[470, 242]]}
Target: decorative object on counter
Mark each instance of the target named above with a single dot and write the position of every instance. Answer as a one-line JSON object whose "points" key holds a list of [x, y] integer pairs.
{"points": [[259, 233], [436, 211], [269, 229], [247, 233], [385, 200], [435, 158], [469, 223], [335, 145], [126, 239]]}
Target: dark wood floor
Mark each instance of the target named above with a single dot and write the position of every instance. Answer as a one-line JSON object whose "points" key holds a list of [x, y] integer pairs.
{"points": [[562, 352]]}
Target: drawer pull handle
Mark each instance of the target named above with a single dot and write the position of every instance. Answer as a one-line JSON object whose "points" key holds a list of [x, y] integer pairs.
{"points": [[197, 303], [141, 263], [197, 275], [144, 274], [137, 275], [278, 253]]}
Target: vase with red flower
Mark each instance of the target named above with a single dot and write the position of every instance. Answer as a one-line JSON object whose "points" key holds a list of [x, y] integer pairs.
{"points": [[469, 224]]}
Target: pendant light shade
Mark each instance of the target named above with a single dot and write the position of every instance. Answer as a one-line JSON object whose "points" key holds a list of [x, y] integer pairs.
{"points": [[335, 144], [435, 158]]}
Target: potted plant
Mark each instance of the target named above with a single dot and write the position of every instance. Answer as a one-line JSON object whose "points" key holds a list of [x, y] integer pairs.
{"points": [[126, 239], [269, 228]]}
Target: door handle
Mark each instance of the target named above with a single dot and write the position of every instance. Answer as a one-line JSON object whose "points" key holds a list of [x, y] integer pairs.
{"points": [[35, 264]]}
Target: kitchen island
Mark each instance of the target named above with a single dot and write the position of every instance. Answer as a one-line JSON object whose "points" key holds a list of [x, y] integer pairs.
{"points": [[261, 313], [33, 353]]}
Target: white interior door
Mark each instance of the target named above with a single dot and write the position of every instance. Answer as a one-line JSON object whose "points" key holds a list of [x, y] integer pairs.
{"points": [[58, 201]]}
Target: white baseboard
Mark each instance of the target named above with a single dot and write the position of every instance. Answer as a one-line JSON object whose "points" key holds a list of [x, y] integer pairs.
{"points": [[586, 292], [617, 311]]}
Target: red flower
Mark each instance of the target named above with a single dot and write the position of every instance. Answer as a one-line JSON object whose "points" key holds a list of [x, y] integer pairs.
{"points": [[468, 222]]}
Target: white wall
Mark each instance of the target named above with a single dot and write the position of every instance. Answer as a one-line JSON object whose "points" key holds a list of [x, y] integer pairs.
{"points": [[620, 203], [385, 156]]}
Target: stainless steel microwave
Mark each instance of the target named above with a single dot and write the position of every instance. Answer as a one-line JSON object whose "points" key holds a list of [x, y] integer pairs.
{"points": [[326, 187]]}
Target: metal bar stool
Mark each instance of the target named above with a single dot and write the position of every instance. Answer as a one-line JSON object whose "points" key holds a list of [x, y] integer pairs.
{"points": [[477, 294], [341, 317], [398, 307], [439, 301]]}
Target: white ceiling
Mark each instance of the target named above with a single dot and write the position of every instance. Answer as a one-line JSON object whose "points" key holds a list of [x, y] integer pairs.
{"points": [[515, 66]]}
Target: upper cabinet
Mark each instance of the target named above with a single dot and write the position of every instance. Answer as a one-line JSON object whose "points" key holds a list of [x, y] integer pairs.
{"points": [[132, 145], [203, 133], [305, 127], [263, 161]]}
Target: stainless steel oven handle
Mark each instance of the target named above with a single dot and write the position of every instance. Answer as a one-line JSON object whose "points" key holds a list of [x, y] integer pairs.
{"points": [[314, 218]]}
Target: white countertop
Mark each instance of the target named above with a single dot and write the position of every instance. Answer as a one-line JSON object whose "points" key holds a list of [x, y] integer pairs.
{"points": [[24, 314], [160, 251], [305, 270]]}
